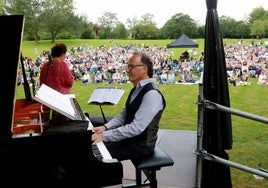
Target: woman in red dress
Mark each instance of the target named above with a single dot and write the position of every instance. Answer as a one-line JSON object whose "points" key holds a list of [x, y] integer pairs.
{"points": [[55, 73]]}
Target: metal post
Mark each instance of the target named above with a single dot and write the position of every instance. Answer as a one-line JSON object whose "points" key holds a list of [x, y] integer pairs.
{"points": [[199, 134]]}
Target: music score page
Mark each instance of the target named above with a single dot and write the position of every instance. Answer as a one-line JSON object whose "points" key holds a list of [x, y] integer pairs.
{"points": [[106, 95]]}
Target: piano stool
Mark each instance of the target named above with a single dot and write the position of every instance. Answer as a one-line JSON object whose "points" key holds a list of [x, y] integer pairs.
{"points": [[149, 166]]}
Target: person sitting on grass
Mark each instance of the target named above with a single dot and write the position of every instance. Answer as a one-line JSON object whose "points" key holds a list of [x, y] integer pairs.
{"points": [[85, 78], [244, 78]]}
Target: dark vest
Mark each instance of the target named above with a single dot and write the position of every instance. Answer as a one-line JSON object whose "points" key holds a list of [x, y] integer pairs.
{"points": [[149, 135]]}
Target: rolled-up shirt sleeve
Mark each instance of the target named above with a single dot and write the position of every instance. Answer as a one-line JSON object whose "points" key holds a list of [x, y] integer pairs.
{"points": [[152, 103]]}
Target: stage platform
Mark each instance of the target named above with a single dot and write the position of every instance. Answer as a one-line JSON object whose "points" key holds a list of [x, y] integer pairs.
{"points": [[180, 145]]}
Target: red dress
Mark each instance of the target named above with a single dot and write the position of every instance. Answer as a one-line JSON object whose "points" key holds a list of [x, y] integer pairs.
{"points": [[58, 77]]}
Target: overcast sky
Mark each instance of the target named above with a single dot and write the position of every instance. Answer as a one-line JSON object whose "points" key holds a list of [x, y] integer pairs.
{"points": [[163, 10]]}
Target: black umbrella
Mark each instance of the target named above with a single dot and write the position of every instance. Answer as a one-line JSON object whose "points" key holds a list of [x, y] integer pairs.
{"points": [[217, 131]]}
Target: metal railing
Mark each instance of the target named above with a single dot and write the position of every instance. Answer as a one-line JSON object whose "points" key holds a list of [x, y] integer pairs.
{"points": [[202, 154]]}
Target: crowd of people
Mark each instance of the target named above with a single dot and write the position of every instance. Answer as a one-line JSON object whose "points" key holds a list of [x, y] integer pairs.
{"points": [[244, 61], [108, 65]]}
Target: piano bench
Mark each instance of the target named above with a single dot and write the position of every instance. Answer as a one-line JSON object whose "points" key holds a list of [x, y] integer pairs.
{"points": [[149, 166]]}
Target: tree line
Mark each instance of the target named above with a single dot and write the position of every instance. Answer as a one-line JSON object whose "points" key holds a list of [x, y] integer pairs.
{"points": [[51, 20]]}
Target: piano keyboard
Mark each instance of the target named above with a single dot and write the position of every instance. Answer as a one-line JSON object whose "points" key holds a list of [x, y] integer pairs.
{"points": [[99, 149], [101, 153]]}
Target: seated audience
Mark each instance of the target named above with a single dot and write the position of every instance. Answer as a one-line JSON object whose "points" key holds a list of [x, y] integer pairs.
{"points": [[123, 78], [233, 78], [85, 78], [244, 78], [171, 77], [262, 79], [110, 79], [163, 78], [116, 77], [190, 78], [98, 77]]}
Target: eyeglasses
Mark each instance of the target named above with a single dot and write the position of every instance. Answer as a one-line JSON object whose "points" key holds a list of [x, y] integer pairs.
{"points": [[133, 66]]}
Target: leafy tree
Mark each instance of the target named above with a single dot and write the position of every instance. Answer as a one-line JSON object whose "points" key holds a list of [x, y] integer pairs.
{"points": [[147, 31], [258, 28], [259, 22], [108, 22], [201, 31], [56, 16], [258, 14], [2, 8], [131, 24], [120, 32], [79, 27], [147, 19], [43, 16], [242, 30], [146, 28], [228, 26], [179, 24]]}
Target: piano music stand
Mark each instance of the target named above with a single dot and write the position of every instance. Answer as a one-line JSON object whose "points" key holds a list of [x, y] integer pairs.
{"points": [[105, 96], [102, 113]]}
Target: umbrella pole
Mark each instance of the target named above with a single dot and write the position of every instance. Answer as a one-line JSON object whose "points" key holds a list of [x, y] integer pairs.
{"points": [[199, 136]]}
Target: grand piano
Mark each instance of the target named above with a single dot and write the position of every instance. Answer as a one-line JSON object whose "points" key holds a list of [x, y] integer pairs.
{"points": [[35, 150]]}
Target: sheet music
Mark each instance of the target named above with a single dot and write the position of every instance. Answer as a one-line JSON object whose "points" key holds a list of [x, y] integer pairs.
{"points": [[57, 101], [106, 95]]}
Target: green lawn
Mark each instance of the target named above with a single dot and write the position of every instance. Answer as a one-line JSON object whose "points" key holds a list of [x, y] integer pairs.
{"points": [[250, 138]]}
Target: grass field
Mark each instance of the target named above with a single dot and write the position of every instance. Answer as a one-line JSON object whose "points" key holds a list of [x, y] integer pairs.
{"points": [[250, 138]]}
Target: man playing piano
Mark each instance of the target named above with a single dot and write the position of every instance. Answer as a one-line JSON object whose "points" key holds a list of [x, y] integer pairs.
{"points": [[133, 133]]}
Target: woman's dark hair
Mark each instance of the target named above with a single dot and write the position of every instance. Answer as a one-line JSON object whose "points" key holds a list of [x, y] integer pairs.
{"points": [[58, 50], [146, 60]]}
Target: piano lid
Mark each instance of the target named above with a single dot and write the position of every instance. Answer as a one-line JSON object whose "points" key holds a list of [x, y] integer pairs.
{"points": [[11, 34]]}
